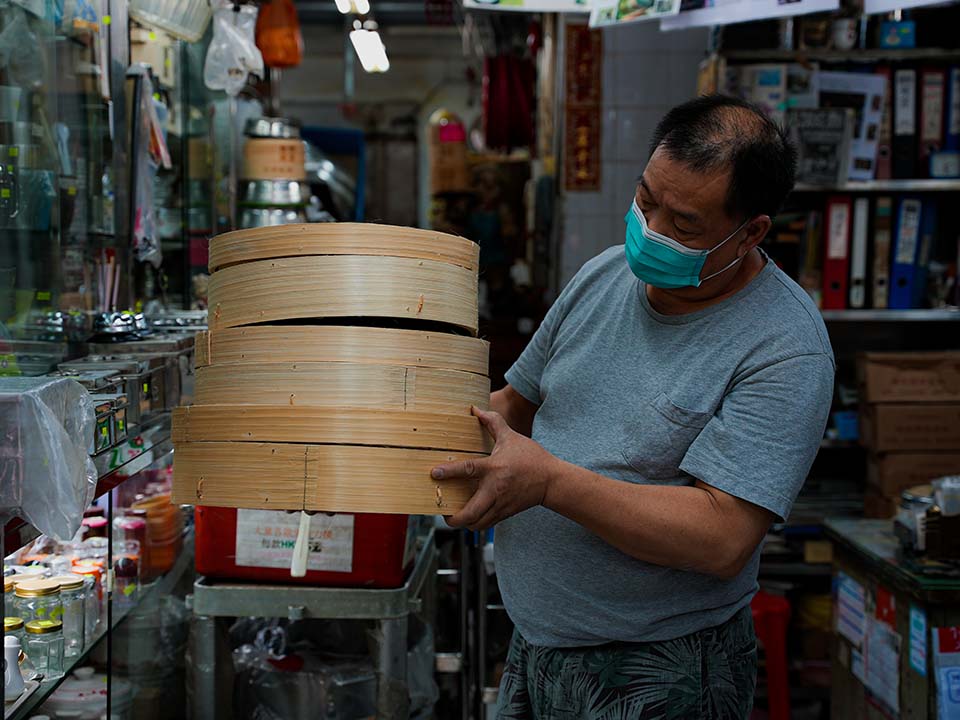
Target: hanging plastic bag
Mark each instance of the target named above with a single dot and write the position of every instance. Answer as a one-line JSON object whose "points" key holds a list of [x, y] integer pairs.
{"points": [[278, 34], [232, 54]]}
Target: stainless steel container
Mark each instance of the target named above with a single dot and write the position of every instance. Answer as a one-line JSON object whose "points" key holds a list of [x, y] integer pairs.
{"points": [[271, 127], [269, 217], [274, 193]]}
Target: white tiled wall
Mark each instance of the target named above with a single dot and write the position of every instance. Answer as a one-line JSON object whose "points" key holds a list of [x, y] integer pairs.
{"points": [[645, 73]]}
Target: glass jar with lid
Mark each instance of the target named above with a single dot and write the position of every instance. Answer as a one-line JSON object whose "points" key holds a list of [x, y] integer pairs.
{"points": [[8, 591], [14, 626], [94, 600], [73, 595], [45, 646], [38, 600]]}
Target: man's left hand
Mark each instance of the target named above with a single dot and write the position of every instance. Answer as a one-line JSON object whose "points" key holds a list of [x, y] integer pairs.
{"points": [[514, 478]]}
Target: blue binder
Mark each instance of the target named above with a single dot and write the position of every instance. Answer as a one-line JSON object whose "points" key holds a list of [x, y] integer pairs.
{"points": [[904, 256], [928, 241]]}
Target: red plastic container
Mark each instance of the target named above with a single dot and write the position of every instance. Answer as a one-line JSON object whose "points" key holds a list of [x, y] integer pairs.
{"points": [[361, 550]]}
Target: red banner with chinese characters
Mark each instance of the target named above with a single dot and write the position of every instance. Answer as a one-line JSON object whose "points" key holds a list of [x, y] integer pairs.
{"points": [[583, 64]]}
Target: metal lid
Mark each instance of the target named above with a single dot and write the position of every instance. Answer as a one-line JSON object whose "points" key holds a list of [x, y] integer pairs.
{"points": [[12, 623], [44, 627], [271, 127], [7, 584], [68, 582], [37, 588]]}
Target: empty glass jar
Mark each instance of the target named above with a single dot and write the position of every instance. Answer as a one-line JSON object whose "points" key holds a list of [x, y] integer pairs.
{"points": [[38, 600], [45, 646], [73, 598]]}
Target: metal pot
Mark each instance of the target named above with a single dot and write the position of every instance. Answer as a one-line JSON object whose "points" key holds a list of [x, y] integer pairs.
{"points": [[268, 217], [271, 127], [274, 193]]}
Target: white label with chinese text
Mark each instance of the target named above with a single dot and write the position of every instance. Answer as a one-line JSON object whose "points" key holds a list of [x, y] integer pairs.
{"points": [[265, 538]]}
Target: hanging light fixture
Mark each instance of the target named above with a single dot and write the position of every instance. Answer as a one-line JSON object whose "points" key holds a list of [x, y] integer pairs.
{"points": [[355, 7], [369, 47]]}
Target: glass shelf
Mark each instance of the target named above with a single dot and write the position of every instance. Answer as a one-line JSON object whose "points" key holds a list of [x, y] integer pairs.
{"points": [[162, 587]]}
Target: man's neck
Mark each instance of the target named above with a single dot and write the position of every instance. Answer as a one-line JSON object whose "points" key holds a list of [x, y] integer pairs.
{"points": [[687, 300]]}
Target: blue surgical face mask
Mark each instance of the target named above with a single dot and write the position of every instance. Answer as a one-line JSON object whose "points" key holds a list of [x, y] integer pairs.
{"points": [[663, 262]]}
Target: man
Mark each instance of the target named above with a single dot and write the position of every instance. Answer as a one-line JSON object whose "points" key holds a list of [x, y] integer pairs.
{"points": [[666, 412]]}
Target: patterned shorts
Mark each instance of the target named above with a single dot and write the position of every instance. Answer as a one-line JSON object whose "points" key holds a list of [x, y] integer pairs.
{"points": [[709, 675]]}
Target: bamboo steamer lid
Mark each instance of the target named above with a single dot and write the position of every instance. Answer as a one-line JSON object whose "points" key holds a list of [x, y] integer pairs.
{"points": [[311, 271], [350, 407], [274, 159]]}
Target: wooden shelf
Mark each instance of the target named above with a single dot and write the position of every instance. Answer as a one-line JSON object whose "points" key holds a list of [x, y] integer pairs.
{"points": [[945, 315], [843, 56], [917, 185]]}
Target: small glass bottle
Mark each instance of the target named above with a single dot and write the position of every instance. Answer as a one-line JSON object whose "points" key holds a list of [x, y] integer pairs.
{"points": [[126, 574], [38, 600], [45, 646], [14, 626], [73, 598]]}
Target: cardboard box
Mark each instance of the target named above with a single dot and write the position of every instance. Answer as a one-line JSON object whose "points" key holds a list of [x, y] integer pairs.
{"points": [[909, 377], [889, 427], [892, 473], [878, 507]]}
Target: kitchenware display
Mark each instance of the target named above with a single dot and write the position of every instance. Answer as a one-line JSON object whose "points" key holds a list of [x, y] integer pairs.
{"points": [[274, 193], [271, 127], [251, 218]]}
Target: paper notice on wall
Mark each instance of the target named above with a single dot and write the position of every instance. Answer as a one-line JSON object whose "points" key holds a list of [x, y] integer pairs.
{"points": [[882, 659], [857, 667], [265, 538], [851, 609], [918, 640], [946, 665]]}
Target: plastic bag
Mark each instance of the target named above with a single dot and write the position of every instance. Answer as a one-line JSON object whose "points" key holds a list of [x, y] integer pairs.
{"points": [[232, 54], [278, 34], [46, 476], [279, 680], [25, 67]]}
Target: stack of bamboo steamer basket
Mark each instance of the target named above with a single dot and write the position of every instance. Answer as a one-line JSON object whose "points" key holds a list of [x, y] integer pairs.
{"points": [[340, 367]]}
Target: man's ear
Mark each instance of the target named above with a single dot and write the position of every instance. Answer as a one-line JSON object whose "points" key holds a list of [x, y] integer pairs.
{"points": [[756, 231]]}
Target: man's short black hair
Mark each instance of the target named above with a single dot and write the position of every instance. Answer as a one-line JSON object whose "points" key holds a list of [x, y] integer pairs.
{"points": [[716, 132]]}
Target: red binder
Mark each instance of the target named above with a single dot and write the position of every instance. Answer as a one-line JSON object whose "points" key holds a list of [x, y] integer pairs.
{"points": [[836, 263], [932, 97]]}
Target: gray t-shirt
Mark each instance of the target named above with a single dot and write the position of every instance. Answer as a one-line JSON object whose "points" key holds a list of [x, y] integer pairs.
{"points": [[736, 395]]}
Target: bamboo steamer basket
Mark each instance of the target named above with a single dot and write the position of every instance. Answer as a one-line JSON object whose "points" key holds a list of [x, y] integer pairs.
{"points": [[340, 368], [274, 159]]}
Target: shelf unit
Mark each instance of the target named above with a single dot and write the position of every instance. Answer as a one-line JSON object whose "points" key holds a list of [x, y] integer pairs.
{"points": [[161, 586]]}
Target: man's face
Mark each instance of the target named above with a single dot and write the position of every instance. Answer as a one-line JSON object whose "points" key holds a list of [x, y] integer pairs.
{"points": [[689, 207]]}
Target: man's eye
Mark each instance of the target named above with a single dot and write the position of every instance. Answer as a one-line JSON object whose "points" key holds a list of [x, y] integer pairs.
{"points": [[683, 231]]}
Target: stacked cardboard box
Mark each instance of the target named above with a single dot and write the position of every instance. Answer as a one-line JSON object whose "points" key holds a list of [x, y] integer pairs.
{"points": [[910, 422]]}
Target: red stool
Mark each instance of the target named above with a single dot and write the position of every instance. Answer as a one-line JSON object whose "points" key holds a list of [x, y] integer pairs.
{"points": [[771, 614]]}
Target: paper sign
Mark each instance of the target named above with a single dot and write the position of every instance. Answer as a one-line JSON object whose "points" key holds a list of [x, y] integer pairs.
{"points": [[725, 12], [614, 12], [566, 6], [918, 640], [882, 658], [857, 666], [946, 665], [851, 609], [265, 538], [886, 611]]}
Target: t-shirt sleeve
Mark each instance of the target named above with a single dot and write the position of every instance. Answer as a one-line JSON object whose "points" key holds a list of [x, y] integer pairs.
{"points": [[524, 376], [761, 442]]}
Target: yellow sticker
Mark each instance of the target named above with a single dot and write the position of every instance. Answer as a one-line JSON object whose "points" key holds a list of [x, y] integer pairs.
{"points": [[130, 589], [152, 35], [167, 63], [14, 151], [71, 191], [156, 96], [4, 193], [106, 19], [43, 295]]}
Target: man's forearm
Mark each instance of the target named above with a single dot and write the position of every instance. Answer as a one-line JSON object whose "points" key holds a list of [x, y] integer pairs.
{"points": [[672, 526]]}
